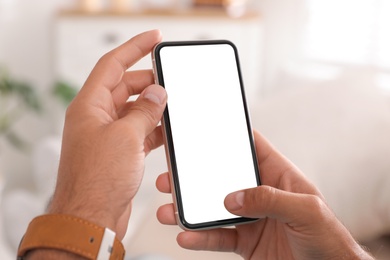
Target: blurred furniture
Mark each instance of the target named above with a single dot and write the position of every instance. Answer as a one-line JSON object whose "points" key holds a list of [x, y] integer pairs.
{"points": [[209, 2], [19, 205], [82, 38], [338, 133]]}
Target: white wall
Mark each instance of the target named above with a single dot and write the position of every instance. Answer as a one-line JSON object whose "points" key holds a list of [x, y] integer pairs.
{"points": [[284, 26], [26, 36], [25, 50], [25, 33]]}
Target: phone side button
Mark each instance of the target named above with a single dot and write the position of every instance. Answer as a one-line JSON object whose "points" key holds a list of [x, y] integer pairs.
{"points": [[177, 217], [154, 71]]}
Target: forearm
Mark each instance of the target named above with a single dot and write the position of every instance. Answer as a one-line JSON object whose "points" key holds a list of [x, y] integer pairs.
{"points": [[359, 252], [348, 248], [68, 237]]}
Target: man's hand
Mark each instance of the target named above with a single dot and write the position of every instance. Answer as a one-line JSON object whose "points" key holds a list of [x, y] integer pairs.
{"points": [[295, 223], [106, 138]]}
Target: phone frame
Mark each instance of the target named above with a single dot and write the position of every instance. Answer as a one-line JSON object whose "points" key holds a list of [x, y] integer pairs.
{"points": [[168, 139]]}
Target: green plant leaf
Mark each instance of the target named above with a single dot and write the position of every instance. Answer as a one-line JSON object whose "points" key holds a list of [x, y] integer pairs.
{"points": [[65, 92], [22, 90], [4, 124], [26, 98], [28, 95], [16, 141]]}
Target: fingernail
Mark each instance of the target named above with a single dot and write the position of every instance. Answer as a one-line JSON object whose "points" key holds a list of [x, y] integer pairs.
{"points": [[156, 94], [235, 200]]}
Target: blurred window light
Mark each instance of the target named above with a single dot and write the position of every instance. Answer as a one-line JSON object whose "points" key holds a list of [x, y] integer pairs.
{"points": [[382, 33], [383, 81], [313, 70], [7, 10], [349, 32]]}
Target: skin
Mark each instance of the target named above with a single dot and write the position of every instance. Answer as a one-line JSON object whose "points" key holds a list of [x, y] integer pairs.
{"points": [[295, 221], [106, 140]]}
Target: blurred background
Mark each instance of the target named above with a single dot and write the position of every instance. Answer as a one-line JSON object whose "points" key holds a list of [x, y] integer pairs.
{"points": [[317, 79]]}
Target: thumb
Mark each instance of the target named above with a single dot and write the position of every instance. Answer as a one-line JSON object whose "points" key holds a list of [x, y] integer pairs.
{"points": [[147, 110], [265, 201]]}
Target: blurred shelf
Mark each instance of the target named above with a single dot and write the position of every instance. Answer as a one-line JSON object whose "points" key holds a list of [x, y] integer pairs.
{"points": [[81, 38], [201, 12]]}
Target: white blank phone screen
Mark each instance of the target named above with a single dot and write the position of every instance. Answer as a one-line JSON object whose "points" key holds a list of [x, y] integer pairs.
{"points": [[209, 128]]}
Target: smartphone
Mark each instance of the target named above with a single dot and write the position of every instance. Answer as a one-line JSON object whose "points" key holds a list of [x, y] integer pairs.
{"points": [[206, 126]]}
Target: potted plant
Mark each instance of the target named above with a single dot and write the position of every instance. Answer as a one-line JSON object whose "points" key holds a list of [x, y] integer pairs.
{"points": [[16, 98]]}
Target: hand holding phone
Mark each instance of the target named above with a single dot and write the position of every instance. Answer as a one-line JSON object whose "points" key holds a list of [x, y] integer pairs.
{"points": [[207, 131]]}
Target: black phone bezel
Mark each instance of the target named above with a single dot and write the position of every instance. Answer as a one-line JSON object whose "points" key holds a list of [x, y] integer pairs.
{"points": [[169, 139]]}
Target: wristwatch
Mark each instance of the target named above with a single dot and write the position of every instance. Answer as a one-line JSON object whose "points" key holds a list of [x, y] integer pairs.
{"points": [[71, 234]]}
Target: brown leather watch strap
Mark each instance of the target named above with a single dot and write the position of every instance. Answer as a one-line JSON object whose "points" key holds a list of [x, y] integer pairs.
{"points": [[71, 234]]}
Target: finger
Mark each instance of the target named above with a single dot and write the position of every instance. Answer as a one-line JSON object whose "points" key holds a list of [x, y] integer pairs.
{"points": [[277, 171], [269, 159], [110, 68], [287, 207], [166, 214], [153, 140], [223, 240], [124, 109], [132, 83], [263, 147], [163, 184], [147, 110]]}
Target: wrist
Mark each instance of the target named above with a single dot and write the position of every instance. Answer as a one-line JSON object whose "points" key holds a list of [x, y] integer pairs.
{"points": [[87, 209], [66, 236], [360, 253], [353, 250]]}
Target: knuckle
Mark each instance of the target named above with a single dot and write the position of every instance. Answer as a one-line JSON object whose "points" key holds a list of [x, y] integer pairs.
{"points": [[103, 59], [267, 197], [148, 144], [315, 203], [111, 59], [146, 111], [318, 207], [71, 112], [264, 192], [259, 197], [221, 242]]}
